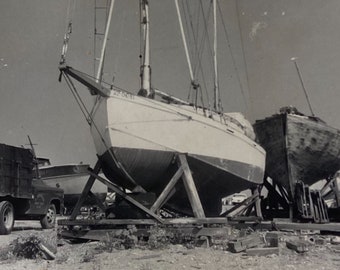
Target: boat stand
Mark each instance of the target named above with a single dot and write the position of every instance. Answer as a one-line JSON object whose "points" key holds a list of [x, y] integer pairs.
{"points": [[277, 204], [243, 211], [331, 192], [331, 189], [310, 204], [96, 228], [307, 204]]}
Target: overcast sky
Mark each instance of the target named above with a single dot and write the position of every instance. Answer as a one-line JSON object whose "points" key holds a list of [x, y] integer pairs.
{"points": [[34, 103]]}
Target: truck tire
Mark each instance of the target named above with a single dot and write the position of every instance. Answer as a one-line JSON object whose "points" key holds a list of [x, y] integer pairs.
{"points": [[6, 217], [48, 221]]}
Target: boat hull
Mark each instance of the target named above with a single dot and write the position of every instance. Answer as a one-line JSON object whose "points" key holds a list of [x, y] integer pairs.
{"points": [[142, 137], [214, 178], [72, 179], [299, 148]]}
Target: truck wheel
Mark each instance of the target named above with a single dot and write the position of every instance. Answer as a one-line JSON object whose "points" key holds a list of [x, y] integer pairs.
{"points": [[6, 217], [48, 221]]}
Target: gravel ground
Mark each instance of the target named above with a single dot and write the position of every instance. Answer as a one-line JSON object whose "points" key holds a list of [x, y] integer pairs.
{"points": [[92, 257]]}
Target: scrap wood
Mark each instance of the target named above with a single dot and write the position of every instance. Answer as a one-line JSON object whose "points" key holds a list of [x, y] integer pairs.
{"points": [[272, 239], [300, 246], [246, 242], [47, 252]]}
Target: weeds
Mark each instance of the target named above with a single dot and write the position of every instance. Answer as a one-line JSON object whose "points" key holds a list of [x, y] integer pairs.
{"points": [[122, 239], [29, 247]]}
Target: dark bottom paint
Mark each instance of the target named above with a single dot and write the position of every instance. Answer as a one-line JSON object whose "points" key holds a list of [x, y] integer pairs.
{"points": [[152, 170]]}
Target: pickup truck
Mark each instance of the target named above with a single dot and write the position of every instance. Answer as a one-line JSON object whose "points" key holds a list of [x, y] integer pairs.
{"points": [[22, 195]]}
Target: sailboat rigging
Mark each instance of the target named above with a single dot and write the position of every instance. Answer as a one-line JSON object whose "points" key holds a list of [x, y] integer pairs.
{"points": [[137, 137]]}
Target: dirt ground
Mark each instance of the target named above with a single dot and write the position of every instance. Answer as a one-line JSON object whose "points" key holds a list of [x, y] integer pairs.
{"points": [[89, 256]]}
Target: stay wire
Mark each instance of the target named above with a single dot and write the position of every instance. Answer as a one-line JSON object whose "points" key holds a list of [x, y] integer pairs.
{"points": [[243, 54], [232, 55], [90, 121], [199, 52]]}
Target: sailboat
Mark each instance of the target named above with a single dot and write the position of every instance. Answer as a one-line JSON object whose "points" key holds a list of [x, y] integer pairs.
{"points": [[137, 137]]}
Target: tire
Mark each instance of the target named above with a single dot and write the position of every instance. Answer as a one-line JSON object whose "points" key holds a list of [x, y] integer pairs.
{"points": [[48, 221], [6, 217]]}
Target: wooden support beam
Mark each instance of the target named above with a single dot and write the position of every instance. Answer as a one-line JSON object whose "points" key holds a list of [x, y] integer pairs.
{"points": [[190, 187], [164, 195], [257, 204], [336, 189], [281, 200], [170, 221], [85, 191], [328, 185], [126, 196]]}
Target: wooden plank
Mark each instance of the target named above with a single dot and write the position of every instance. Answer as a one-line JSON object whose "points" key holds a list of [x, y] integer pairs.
{"points": [[164, 195], [262, 251], [197, 221], [85, 191], [172, 221], [282, 225], [190, 187], [101, 234], [126, 196], [94, 222]]}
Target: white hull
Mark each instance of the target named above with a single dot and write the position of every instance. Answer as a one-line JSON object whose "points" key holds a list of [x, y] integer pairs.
{"points": [[74, 184], [128, 121], [72, 178], [145, 134]]}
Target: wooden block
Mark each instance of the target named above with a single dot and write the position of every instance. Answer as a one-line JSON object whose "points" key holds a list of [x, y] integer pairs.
{"points": [[244, 243], [299, 246], [272, 239], [262, 251]]}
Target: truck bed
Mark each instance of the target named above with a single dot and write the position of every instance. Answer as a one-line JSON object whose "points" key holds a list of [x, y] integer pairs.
{"points": [[16, 174]]}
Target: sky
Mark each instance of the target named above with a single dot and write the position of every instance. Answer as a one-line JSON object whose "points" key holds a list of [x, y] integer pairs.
{"points": [[263, 36]]}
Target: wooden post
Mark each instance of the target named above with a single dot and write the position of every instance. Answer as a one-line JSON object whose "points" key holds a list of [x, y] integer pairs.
{"points": [[257, 203], [169, 187], [85, 192], [190, 187]]}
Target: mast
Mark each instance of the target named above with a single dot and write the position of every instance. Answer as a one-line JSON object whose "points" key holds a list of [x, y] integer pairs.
{"points": [[217, 106], [102, 54], [194, 84], [145, 66]]}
